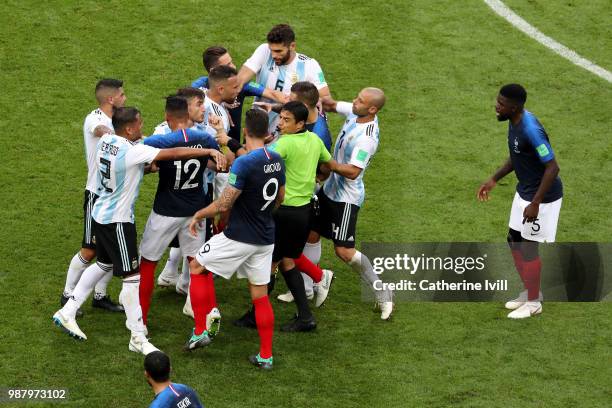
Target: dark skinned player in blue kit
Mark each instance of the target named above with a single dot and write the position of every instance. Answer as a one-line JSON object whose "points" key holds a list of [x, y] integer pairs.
{"points": [[537, 202]]}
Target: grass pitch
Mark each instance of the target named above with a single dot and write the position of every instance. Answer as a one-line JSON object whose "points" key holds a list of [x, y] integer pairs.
{"points": [[441, 64]]}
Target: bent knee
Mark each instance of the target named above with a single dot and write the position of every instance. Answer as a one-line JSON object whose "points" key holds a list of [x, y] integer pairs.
{"points": [[346, 254]]}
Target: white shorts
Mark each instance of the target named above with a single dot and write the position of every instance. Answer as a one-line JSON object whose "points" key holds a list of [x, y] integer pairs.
{"points": [[223, 256], [544, 228], [219, 183], [161, 230]]}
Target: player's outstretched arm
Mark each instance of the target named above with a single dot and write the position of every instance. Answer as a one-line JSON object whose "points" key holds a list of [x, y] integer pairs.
{"points": [[551, 171], [350, 171], [180, 153], [101, 130], [329, 104], [245, 75], [487, 186], [221, 204], [269, 107]]}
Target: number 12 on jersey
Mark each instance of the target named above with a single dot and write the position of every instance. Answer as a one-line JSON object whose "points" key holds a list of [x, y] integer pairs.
{"points": [[194, 166]]}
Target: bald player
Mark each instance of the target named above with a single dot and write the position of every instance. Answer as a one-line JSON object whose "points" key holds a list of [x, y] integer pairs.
{"points": [[344, 192]]}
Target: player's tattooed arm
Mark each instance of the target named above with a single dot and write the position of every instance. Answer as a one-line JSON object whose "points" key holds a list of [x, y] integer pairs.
{"points": [[223, 203], [504, 170], [101, 130], [227, 199]]}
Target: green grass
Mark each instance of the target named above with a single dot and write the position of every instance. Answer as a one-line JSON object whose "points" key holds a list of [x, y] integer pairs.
{"points": [[441, 64]]}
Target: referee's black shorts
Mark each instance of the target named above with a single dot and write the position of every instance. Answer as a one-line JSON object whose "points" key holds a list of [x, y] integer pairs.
{"points": [[116, 245], [292, 225]]}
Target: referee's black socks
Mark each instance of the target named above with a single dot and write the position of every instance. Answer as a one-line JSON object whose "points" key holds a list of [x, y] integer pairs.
{"points": [[295, 283]]}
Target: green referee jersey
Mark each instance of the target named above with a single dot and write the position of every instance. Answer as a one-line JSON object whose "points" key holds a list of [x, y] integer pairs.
{"points": [[301, 152]]}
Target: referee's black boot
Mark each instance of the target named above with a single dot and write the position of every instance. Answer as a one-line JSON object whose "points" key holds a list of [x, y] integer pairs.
{"points": [[64, 300], [247, 320], [300, 325], [107, 304]]}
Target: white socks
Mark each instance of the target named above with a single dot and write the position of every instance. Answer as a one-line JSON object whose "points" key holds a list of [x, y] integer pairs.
{"points": [[100, 289], [361, 264], [131, 303], [75, 270], [185, 271], [83, 289], [174, 257], [313, 252]]}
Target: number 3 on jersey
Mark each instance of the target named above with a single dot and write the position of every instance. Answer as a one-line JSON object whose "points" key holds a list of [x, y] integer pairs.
{"points": [[271, 184], [105, 171], [189, 170]]}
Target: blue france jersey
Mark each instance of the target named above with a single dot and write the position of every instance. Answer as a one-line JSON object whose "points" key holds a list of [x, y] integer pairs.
{"points": [[530, 150], [321, 129], [181, 190], [258, 175], [177, 396]]}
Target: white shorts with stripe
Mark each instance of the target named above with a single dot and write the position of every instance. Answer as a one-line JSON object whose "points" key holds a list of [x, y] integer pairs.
{"points": [[544, 228], [161, 230], [224, 257]]}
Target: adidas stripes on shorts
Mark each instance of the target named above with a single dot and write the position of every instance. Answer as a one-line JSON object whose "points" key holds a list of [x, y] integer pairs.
{"points": [[116, 245], [336, 221], [89, 239]]}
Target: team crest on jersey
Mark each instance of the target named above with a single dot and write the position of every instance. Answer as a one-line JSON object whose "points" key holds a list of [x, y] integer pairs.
{"points": [[516, 144], [134, 263], [294, 78]]}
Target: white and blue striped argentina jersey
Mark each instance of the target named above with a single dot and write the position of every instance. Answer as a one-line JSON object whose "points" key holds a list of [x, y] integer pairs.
{"points": [[92, 121], [120, 166], [356, 144], [213, 108], [282, 77]]}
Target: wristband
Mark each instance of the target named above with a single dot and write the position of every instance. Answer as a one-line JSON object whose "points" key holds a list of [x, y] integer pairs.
{"points": [[234, 145]]}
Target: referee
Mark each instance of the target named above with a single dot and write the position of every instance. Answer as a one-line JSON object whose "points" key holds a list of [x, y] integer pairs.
{"points": [[302, 151]]}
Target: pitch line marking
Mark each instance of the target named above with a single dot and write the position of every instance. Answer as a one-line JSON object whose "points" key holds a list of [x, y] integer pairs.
{"points": [[517, 21]]}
